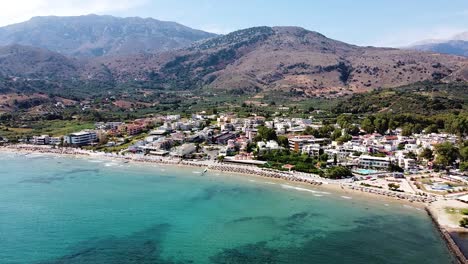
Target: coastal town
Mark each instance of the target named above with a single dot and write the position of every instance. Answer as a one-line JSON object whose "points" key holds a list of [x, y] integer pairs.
{"points": [[416, 167]]}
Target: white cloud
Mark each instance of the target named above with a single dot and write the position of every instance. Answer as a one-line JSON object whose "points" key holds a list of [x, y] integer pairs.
{"points": [[411, 36], [14, 11]]}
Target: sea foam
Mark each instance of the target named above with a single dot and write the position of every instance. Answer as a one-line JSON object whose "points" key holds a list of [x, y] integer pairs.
{"points": [[285, 186]]}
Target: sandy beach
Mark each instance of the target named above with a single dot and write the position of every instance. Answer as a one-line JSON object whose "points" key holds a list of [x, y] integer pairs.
{"points": [[445, 212], [301, 179]]}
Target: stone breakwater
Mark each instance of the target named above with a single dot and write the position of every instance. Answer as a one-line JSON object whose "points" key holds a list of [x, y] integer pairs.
{"points": [[264, 173], [393, 194], [452, 246]]}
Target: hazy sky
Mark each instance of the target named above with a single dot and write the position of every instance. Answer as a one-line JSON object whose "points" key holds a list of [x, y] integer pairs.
{"points": [[362, 22]]}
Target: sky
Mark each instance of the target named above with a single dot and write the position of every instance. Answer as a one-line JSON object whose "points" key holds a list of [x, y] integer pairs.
{"points": [[393, 23]]}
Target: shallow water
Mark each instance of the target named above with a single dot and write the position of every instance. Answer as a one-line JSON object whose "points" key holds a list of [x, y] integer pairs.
{"points": [[61, 210]]}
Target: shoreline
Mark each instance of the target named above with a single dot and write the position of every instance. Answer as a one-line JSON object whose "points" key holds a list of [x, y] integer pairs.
{"points": [[303, 179]]}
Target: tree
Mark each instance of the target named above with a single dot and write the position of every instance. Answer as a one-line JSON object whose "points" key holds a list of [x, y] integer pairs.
{"points": [[407, 130], [283, 141], [323, 157], [464, 166], [410, 155], [417, 129], [426, 154], [446, 154], [266, 134], [344, 121], [311, 131], [338, 172], [344, 138], [464, 222], [393, 186], [381, 125], [353, 130], [392, 124], [325, 131], [336, 134], [395, 168], [367, 125], [464, 153], [457, 124], [401, 146], [431, 129]]}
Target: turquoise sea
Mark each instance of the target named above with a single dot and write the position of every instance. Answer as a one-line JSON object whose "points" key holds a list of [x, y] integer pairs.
{"points": [[63, 210]]}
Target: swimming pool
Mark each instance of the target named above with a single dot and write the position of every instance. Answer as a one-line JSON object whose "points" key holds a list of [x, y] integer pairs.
{"points": [[365, 171]]}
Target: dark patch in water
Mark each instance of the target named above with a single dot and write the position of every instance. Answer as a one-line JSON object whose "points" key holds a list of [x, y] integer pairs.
{"points": [[368, 243], [364, 221], [252, 218], [213, 191], [298, 216], [258, 253], [141, 247], [82, 171], [293, 224], [43, 180], [373, 241], [60, 176]]}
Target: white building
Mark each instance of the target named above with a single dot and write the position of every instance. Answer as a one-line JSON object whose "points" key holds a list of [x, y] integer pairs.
{"points": [[272, 145], [81, 138], [184, 150], [296, 143], [54, 141], [411, 147], [366, 161], [41, 140], [311, 149], [408, 164]]}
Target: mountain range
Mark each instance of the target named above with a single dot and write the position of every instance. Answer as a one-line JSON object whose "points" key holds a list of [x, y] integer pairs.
{"points": [[94, 36], [457, 45], [168, 56]]}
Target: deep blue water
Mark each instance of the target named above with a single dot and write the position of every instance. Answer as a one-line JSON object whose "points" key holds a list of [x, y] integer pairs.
{"points": [[62, 210]]}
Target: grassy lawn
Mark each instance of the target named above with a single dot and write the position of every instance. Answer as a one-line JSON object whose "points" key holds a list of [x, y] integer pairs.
{"points": [[60, 127], [10, 132], [52, 127], [456, 211]]}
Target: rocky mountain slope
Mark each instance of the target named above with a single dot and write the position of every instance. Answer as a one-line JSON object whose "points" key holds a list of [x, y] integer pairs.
{"points": [[93, 35], [260, 60], [285, 58], [30, 62]]}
